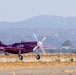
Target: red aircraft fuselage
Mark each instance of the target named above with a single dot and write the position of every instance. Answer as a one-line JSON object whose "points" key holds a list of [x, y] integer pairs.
{"points": [[19, 48], [25, 47]]}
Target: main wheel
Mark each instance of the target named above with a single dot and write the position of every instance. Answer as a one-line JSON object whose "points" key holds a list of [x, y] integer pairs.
{"points": [[37, 56], [20, 57], [6, 53]]}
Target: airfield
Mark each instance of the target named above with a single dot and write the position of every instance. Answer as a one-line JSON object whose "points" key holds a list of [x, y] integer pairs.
{"points": [[40, 71], [49, 64]]}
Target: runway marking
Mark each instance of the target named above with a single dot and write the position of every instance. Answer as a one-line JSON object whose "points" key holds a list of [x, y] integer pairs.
{"points": [[67, 70], [13, 73]]}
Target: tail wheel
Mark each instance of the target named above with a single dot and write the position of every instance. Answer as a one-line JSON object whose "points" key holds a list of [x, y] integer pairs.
{"points": [[37, 56], [20, 57]]}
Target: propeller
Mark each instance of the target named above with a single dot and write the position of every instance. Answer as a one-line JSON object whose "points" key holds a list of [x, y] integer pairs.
{"points": [[36, 37], [39, 44], [43, 39]]}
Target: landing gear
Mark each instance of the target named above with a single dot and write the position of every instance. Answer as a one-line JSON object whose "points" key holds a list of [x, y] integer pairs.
{"points": [[20, 57], [6, 53], [37, 56]]}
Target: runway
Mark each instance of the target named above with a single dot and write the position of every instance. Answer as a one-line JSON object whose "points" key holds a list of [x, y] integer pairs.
{"points": [[40, 71], [8, 59], [63, 57], [44, 66], [25, 60]]}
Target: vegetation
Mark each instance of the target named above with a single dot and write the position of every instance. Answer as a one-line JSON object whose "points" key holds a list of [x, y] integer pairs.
{"points": [[55, 37]]}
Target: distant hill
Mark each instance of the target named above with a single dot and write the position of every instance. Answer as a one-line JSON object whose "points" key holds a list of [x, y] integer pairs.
{"points": [[55, 37], [42, 21]]}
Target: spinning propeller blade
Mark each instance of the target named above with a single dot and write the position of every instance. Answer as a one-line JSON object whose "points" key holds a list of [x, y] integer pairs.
{"points": [[35, 48], [39, 44], [43, 39], [36, 37], [42, 49]]}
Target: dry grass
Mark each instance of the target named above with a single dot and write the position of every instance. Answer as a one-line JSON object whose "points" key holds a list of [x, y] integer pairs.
{"points": [[34, 64], [37, 64], [47, 55]]}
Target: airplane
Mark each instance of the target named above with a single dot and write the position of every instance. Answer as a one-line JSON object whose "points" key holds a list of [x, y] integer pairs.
{"points": [[23, 47]]}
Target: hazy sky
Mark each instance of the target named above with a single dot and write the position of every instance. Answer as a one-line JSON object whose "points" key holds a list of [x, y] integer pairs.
{"points": [[18, 10]]}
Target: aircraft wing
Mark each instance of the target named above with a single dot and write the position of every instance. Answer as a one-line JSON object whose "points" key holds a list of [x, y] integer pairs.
{"points": [[14, 48], [11, 48]]}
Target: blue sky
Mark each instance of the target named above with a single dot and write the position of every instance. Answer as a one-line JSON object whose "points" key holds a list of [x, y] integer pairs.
{"points": [[18, 10]]}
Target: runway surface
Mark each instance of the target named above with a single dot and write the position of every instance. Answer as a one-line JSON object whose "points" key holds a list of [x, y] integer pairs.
{"points": [[34, 59], [40, 71], [50, 70], [44, 57]]}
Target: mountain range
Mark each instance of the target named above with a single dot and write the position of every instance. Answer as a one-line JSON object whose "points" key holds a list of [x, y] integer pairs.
{"points": [[42, 21]]}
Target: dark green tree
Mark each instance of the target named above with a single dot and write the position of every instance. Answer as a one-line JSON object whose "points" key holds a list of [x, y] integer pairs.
{"points": [[67, 43]]}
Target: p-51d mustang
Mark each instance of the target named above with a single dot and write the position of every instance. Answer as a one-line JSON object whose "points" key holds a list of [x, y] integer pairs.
{"points": [[23, 47]]}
